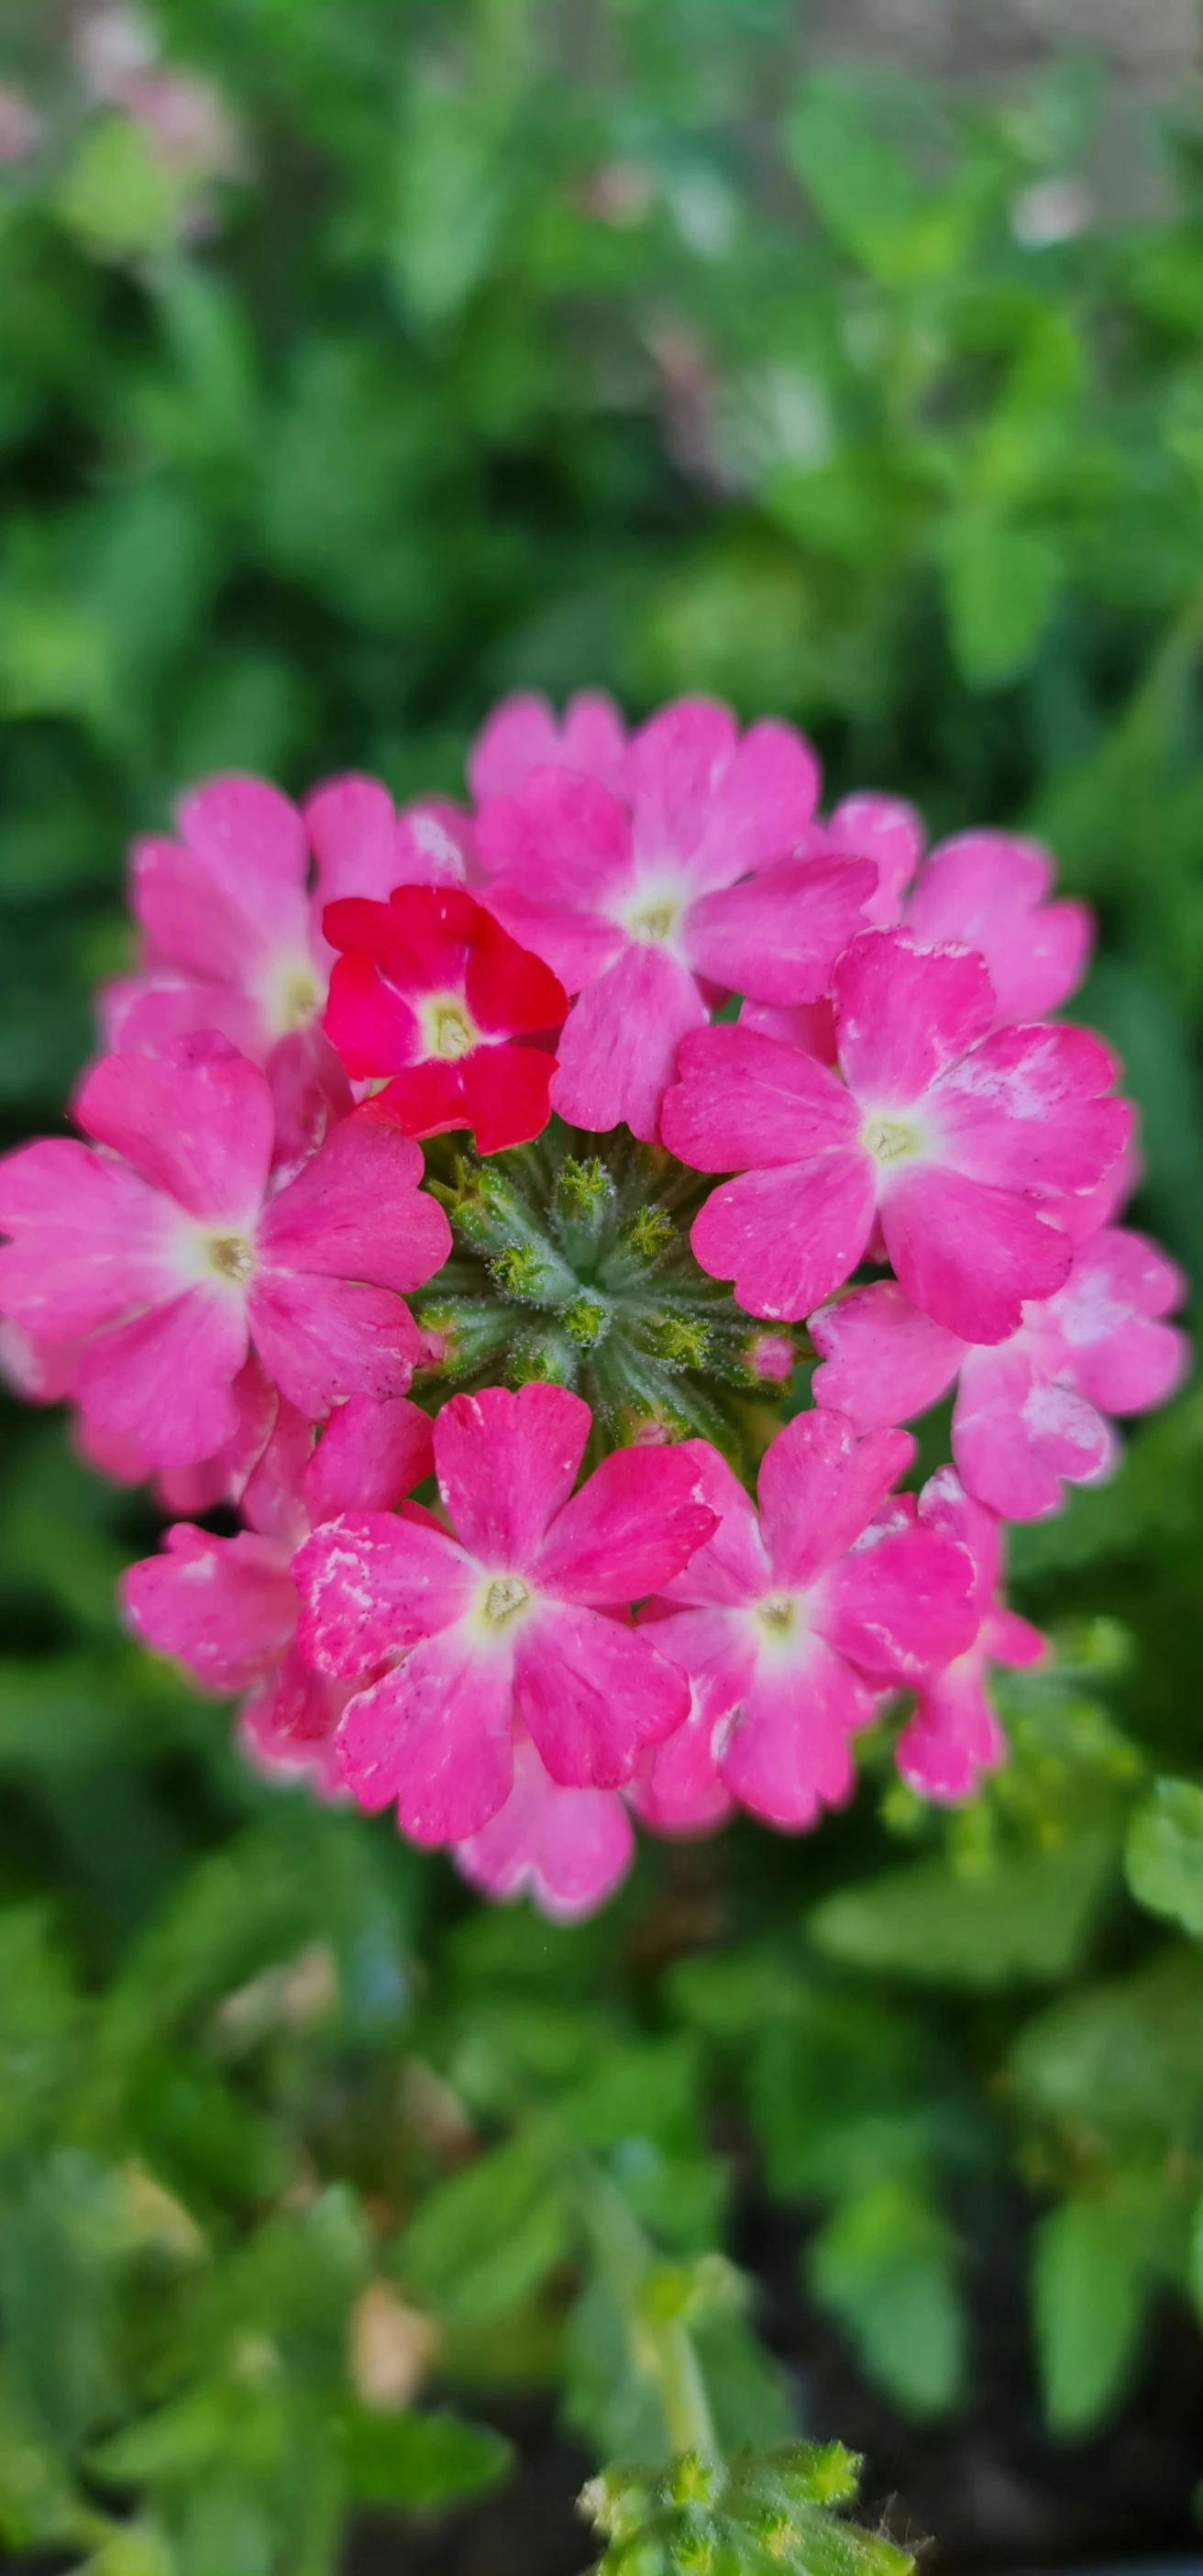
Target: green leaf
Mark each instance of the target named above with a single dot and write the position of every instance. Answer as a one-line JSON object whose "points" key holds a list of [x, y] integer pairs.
{"points": [[1027, 1915], [1001, 585], [1164, 1853], [861, 188], [119, 195], [482, 2242], [1089, 2289], [418, 2460], [1122, 2061], [885, 2266], [450, 201]]}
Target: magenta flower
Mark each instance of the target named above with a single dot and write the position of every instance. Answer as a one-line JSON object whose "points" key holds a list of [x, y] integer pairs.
{"points": [[522, 735], [634, 901], [957, 1143], [790, 1622], [165, 1254], [566, 1849], [433, 993], [227, 1608], [953, 1734], [1031, 1411], [506, 1621], [983, 890]]}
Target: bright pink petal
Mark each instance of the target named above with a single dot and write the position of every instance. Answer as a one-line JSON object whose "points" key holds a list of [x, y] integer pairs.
{"points": [[952, 1737], [1117, 1353], [818, 1486], [946, 1507], [371, 1585], [356, 1212], [90, 1240], [732, 1566], [427, 1100], [198, 1126], [352, 828], [506, 1463], [435, 1735], [368, 1458], [576, 946], [741, 1099], [521, 735], [592, 1693], [310, 1094], [788, 1753], [506, 1095], [787, 1237], [225, 1607], [899, 1606], [677, 1789], [988, 890], [618, 1049], [881, 828], [149, 1014], [808, 1026], [325, 1340], [1025, 1111], [778, 935], [436, 845], [165, 1379], [632, 1527], [246, 827], [1016, 1433], [761, 807], [882, 1361], [903, 1013], [565, 842], [676, 765], [566, 1849], [286, 1727], [969, 1256], [218, 921]]}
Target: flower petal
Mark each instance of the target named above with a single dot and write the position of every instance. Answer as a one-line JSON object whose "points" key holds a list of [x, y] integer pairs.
{"points": [[777, 936], [225, 1607], [506, 1095], [744, 1100], [787, 1237], [435, 1735], [325, 1340], [787, 1755], [521, 735], [1017, 1432], [371, 1585], [732, 1566], [882, 1361], [900, 1605], [165, 1378], [368, 1458], [245, 826], [565, 842], [356, 1212], [631, 1528], [506, 1463], [818, 1486], [591, 1693], [197, 1125], [91, 1239], [969, 1256], [618, 1049], [904, 1012], [565, 1848], [1024, 1111]]}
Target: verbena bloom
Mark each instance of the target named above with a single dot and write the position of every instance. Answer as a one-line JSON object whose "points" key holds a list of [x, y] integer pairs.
{"points": [[227, 1608], [431, 992], [953, 1734], [1031, 1411], [791, 1619], [522, 735], [980, 889], [566, 1849], [635, 901], [955, 1142], [165, 1254], [505, 1621]]}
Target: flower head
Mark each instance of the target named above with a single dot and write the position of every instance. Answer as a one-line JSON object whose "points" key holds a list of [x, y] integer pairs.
{"points": [[790, 1619], [431, 992], [956, 1139], [166, 1256], [507, 1620], [644, 902]]}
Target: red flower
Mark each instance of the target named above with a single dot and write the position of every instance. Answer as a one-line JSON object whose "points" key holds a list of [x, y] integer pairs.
{"points": [[431, 991]]}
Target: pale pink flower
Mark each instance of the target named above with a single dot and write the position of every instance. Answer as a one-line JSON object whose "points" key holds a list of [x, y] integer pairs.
{"points": [[227, 1608], [566, 1849], [1031, 1412], [955, 1143], [953, 1734], [522, 735], [981, 889], [21, 127], [166, 1256], [634, 901], [506, 1621], [790, 1622]]}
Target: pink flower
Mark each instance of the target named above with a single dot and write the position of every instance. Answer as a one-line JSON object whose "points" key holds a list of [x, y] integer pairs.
{"points": [[431, 991], [566, 1849], [983, 890], [954, 1734], [957, 1143], [21, 127], [1030, 1411], [165, 1255], [634, 903], [227, 1608], [789, 1623], [505, 1621], [522, 735]]}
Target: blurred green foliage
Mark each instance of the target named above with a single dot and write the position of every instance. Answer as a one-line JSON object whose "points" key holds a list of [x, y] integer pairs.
{"points": [[472, 345]]}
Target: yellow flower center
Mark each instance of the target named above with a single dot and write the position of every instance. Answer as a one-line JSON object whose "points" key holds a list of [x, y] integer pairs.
{"points": [[230, 1255], [653, 922], [776, 1613], [506, 1594], [890, 1140]]}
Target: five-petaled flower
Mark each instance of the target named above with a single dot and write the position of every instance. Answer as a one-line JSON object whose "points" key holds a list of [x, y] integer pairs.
{"points": [[433, 993], [955, 1138], [505, 1621]]}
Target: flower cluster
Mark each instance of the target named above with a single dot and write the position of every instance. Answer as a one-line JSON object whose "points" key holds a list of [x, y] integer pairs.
{"points": [[394, 1230]]}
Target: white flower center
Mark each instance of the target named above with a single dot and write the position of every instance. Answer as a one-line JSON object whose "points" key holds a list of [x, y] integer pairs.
{"points": [[890, 1139], [447, 1026]]}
